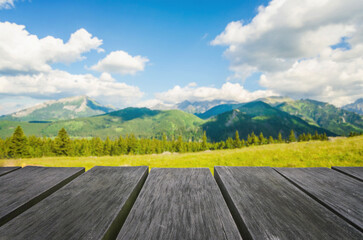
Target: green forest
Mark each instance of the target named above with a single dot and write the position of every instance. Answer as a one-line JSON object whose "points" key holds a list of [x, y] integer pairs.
{"points": [[21, 146]]}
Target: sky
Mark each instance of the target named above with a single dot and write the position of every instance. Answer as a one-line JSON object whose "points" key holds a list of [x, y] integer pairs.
{"points": [[159, 52]]}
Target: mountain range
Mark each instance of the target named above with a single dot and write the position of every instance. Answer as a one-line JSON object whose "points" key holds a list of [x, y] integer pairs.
{"points": [[62, 109], [356, 107], [84, 117]]}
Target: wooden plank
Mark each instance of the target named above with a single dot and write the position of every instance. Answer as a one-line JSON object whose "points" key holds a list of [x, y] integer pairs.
{"points": [[6, 170], [267, 206], [93, 206], [179, 204], [354, 172], [338, 192], [25, 187]]}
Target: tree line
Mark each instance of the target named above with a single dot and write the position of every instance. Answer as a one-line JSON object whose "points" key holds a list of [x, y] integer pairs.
{"points": [[21, 146]]}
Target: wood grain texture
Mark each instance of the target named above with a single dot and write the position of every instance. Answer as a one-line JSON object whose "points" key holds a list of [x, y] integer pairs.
{"points": [[25, 187], [6, 170], [354, 172], [340, 193], [267, 206], [93, 206], [179, 204]]}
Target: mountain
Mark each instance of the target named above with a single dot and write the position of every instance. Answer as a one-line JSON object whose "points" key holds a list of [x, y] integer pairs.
{"points": [[142, 122], [214, 111], [356, 107], [258, 117], [275, 100], [62, 109], [200, 107], [338, 121]]}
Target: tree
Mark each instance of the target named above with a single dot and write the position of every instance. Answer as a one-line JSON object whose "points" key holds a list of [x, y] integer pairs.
{"points": [[204, 141], [279, 138], [262, 138], [270, 140], [292, 136], [107, 147], [62, 143], [18, 144], [237, 141]]}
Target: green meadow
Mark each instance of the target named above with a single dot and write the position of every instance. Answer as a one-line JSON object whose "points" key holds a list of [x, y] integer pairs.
{"points": [[335, 152]]}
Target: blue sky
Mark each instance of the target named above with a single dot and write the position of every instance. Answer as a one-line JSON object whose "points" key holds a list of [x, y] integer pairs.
{"points": [[193, 50]]}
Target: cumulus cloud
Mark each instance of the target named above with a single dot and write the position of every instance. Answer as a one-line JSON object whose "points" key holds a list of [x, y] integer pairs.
{"points": [[122, 63], [55, 84], [23, 52], [291, 44], [6, 4], [228, 92]]}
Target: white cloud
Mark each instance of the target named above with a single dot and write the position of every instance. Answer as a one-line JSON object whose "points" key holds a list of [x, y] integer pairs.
{"points": [[121, 62], [191, 92], [6, 4], [55, 84], [22, 52], [290, 43]]}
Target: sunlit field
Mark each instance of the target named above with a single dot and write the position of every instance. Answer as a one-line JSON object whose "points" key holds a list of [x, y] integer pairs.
{"points": [[335, 152]]}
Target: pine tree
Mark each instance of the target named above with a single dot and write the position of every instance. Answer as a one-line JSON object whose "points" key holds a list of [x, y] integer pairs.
{"points": [[292, 136], [262, 138], [279, 138], [62, 143], [237, 141], [18, 144], [270, 140], [204, 141], [107, 147]]}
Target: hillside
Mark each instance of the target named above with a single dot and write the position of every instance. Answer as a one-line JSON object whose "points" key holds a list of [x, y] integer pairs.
{"points": [[218, 110], [356, 107], [214, 111], [258, 117], [142, 122], [62, 109], [325, 115]]}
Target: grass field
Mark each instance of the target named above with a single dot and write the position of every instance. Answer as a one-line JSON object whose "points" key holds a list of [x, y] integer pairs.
{"points": [[336, 152]]}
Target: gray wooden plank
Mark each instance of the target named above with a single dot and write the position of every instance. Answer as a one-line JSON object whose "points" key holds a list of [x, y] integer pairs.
{"points": [[25, 187], [6, 170], [93, 206], [179, 204], [354, 172], [338, 192], [267, 206]]}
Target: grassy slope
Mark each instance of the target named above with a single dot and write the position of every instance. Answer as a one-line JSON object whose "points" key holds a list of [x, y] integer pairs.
{"points": [[337, 152], [325, 115]]}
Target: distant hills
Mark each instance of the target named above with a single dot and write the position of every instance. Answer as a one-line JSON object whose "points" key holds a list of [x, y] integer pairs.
{"points": [[356, 107], [62, 109], [325, 115], [84, 117], [257, 117]]}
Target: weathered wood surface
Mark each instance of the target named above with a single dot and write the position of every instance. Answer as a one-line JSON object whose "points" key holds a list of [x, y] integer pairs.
{"points": [[25, 187], [6, 170], [93, 206], [267, 206], [179, 204], [340, 193], [355, 172]]}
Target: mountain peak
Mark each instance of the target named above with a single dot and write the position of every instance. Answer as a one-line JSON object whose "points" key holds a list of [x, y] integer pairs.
{"points": [[356, 107]]}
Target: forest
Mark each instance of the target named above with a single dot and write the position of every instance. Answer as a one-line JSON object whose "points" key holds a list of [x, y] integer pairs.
{"points": [[21, 146]]}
